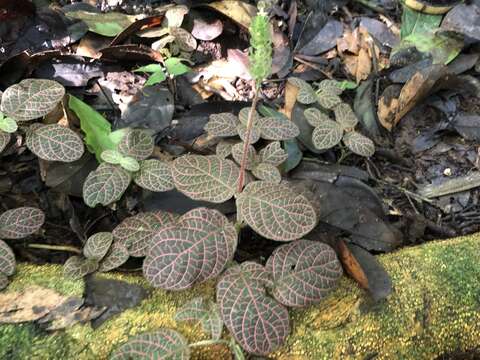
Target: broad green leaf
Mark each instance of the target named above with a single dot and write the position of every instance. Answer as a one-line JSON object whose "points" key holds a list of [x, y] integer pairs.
{"points": [[267, 172], [163, 344], [254, 134], [443, 47], [258, 322], [222, 125], [207, 178], [20, 222], [277, 128], [205, 312], [156, 78], [116, 256], [295, 155], [117, 135], [223, 149], [95, 127], [155, 175], [137, 143], [107, 24], [273, 154], [184, 40], [244, 114], [55, 143], [252, 157], [330, 86], [111, 157], [8, 125], [328, 100], [4, 140], [3, 281], [359, 144], [7, 259], [345, 116], [195, 249], [418, 22], [105, 185], [327, 135], [77, 267], [307, 96], [347, 85], [136, 232], [31, 99], [304, 272], [98, 245], [316, 117], [150, 68], [175, 67], [129, 164], [275, 211]]}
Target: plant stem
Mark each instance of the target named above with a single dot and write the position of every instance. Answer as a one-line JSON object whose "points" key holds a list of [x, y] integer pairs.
{"points": [[209, 342], [56, 248], [243, 164]]}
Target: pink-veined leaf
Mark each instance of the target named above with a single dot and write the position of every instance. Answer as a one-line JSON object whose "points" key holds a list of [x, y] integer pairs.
{"points": [[254, 133], [105, 185], [267, 172], [243, 116], [207, 178], [237, 154], [275, 211], [277, 128], [77, 267], [20, 222], [136, 143], [359, 144], [304, 272], [136, 232], [98, 245], [163, 344], [193, 250], [222, 125], [316, 117], [155, 175], [273, 154], [7, 259], [207, 313], [328, 134], [224, 149], [116, 256], [55, 143], [258, 322], [4, 140]]}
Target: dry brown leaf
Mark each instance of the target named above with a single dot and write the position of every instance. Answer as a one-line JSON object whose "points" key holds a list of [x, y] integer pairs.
{"points": [[90, 45], [351, 265], [239, 11], [364, 65], [291, 92]]}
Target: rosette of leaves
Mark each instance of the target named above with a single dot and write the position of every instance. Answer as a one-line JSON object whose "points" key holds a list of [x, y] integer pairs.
{"points": [[99, 253], [328, 133], [16, 224], [158, 73], [204, 311], [129, 161]]}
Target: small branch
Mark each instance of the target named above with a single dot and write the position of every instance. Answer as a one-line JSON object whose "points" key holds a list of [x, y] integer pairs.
{"points": [[56, 248], [209, 342]]}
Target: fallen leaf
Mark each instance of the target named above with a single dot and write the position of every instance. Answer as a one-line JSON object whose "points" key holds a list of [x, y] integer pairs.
{"points": [[239, 11], [206, 30], [351, 265], [291, 92]]}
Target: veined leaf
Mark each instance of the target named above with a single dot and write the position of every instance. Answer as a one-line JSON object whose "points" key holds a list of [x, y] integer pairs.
{"points": [[137, 232], [222, 125], [175, 67], [258, 322], [328, 100], [273, 154], [55, 143], [137, 144], [7, 124], [359, 144], [155, 175], [3, 281], [330, 86], [206, 313], [267, 172], [155, 78], [7, 259], [316, 117], [129, 164], [116, 136], [327, 135], [224, 149], [116, 256], [77, 267], [345, 116], [307, 96], [31, 99], [195, 249], [163, 344], [105, 185], [95, 127], [277, 128], [4, 140], [243, 116], [304, 272], [20, 222], [98, 245], [299, 83], [106, 24], [207, 178], [254, 134], [111, 156], [275, 211], [237, 154], [184, 40]]}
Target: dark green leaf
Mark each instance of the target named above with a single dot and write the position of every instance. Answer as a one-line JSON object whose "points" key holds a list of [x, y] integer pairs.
{"points": [[327, 135], [137, 144], [77, 267], [20, 222], [116, 256], [105, 185], [98, 245], [155, 175], [7, 260]]}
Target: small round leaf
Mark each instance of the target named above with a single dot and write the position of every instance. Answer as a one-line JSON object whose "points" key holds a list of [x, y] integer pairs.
{"points": [[275, 211], [116, 256], [222, 125], [278, 128], [31, 98], [105, 185], [328, 100], [155, 175], [98, 245], [258, 322], [163, 344], [299, 83], [195, 249], [224, 149], [307, 96], [7, 259], [8, 125], [55, 143], [136, 143], [3, 281], [327, 135], [304, 272], [237, 154], [4, 140], [77, 267], [345, 116], [267, 172], [20, 222], [111, 157], [244, 114], [273, 154], [207, 178], [330, 86], [316, 117], [206, 313], [254, 134], [184, 40], [359, 144], [129, 164]]}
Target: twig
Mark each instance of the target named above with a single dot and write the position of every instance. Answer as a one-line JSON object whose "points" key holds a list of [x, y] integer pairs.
{"points": [[56, 248]]}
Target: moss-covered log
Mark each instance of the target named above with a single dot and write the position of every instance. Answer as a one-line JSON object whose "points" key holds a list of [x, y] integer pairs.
{"points": [[434, 310]]}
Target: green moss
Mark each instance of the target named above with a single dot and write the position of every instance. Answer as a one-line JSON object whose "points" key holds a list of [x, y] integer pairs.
{"points": [[434, 309]]}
